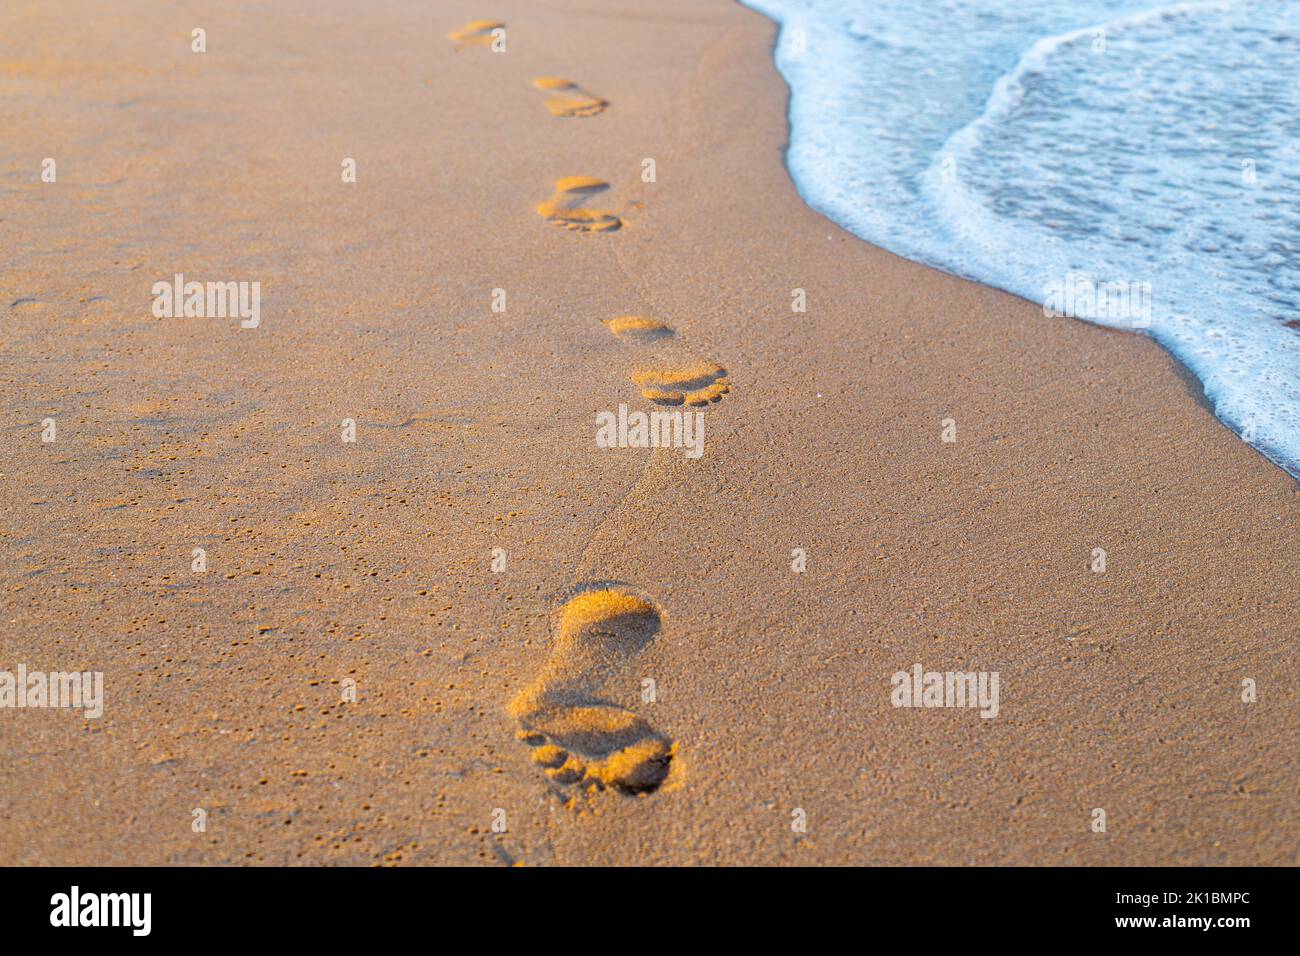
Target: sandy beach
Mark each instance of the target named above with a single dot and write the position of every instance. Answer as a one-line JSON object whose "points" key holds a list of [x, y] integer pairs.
{"points": [[459, 630]]}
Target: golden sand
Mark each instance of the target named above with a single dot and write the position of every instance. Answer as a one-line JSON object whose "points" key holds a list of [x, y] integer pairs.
{"points": [[380, 619]]}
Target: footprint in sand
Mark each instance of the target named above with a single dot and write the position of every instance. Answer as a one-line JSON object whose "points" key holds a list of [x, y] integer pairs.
{"points": [[638, 328], [476, 33], [697, 382], [568, 98], [689, 382], [566, 208], [576, 735]]}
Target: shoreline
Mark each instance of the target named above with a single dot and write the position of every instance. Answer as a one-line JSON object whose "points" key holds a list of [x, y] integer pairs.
{"points": [[370, 561], [1015, 252]]}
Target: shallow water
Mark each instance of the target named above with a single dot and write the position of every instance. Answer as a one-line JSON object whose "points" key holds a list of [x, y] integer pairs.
{"points": [[1131, 164]]}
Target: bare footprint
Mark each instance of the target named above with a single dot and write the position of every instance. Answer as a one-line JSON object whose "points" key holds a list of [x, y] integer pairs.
{"points": [[568, 98], [476, 33], [638, 328], [578, 737], [566, 207], [697, 382]]}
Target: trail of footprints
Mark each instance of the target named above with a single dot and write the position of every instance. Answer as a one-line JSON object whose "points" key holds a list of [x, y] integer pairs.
{"points": [[577, 735]]}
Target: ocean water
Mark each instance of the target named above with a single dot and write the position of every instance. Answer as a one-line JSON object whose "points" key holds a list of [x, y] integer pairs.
{"points": [[1131, 164]]}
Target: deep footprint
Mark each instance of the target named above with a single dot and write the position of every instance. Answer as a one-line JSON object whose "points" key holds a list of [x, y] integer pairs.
{"points": [[568, 98], [475, 33], [578, 737], [567, 207], [693, 383]]}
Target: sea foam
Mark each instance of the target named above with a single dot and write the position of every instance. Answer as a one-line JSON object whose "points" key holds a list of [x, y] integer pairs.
{"points": [[1031, 143]]}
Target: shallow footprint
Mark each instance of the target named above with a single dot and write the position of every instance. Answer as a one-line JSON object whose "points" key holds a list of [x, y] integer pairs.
{"points": [[576, 736], [475, 33], [568, 98], [566, 207], [27, 304], [638, 328], [693, 383]]}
